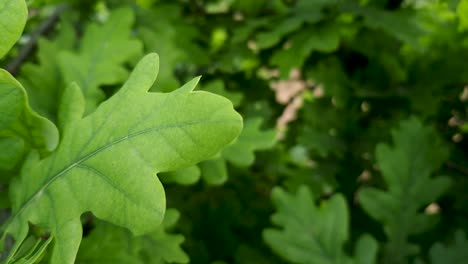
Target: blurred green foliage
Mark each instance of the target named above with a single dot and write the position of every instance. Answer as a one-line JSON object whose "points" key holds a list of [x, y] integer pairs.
{"points": [[368, 100]]}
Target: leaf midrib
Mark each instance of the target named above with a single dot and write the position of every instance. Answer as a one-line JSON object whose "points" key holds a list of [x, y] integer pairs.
{"points": [[38, 193]]}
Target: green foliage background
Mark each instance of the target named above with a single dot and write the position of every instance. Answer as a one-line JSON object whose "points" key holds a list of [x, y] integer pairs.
{"points": [[370, 165]]}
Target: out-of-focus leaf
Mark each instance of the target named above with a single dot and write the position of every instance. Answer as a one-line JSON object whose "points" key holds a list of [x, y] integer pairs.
{"points": [[162, 33], [185, 176], [323, 38], [366, 250], [17, 119], [241, 152], [268, 39], [462, 12], [311, 233], [13, 16], [219, 6], [112, 244], [249, 255], [162, 247], [308, 11], [455, 253], [400, 24], [217, 87], [214, 171], [100, 60], [12, 152], [249, 7], [322, 129], [146, 3], [108, 244], [45, 90], [406, 168]]}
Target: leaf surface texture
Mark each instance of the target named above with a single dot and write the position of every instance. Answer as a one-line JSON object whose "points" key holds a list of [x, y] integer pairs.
{"points": [[107, 162]]}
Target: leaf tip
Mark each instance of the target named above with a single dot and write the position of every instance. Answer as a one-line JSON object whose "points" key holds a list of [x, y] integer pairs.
{"points": [[190, 86]]}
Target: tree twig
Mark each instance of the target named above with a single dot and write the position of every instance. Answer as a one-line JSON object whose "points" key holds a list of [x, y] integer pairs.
{"points": [[47, 25], [457, 167]]}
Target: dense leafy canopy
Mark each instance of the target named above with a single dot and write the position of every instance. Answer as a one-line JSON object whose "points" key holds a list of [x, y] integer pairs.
{"points": [[352, 150]]}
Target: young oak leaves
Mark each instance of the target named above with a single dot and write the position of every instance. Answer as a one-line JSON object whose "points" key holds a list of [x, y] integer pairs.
{"points": [[106, 162]]}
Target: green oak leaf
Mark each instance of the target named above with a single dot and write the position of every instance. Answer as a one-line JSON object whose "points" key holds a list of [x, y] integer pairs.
{"points": [[406, 168], [17, 119], [314, 234], [107, 162], [100, 60], [13, 17]]}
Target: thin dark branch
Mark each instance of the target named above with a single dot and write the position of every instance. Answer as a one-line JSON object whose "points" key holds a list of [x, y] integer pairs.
{"points": [[454, 166], [47, 25]]}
